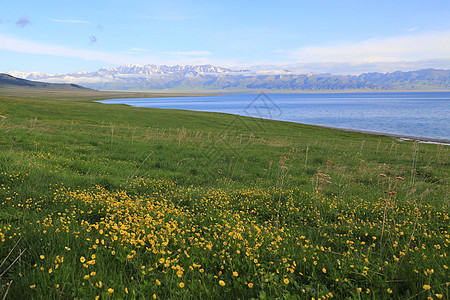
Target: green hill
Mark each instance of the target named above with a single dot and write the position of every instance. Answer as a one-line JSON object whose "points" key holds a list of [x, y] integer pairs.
{"points": [[8, 81]]}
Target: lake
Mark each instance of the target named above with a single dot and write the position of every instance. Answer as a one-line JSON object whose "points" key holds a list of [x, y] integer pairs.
{"points": [[420, 114]]}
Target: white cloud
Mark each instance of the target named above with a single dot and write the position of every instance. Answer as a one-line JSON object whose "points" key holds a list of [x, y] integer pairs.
{"points": [[69, 21], [191, 53], [138, 56], [25, 46], [344, 68], [138, 50], [434, 45]]}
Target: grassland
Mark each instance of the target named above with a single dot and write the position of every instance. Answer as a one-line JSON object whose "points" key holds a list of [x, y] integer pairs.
{"points": [[111, 201]]}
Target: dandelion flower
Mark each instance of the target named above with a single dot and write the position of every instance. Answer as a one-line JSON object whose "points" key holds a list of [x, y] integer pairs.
{"points": [[32, 286], [324, 270], [181, 284], [250, 285], [158, 282], [222, 283], [110, 291], [426, 287], [235, 274], [286, 281], [82, 259], [42, 257]]}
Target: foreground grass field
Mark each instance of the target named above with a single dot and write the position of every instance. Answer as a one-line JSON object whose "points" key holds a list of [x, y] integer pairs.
{"points": [[110, 201]]}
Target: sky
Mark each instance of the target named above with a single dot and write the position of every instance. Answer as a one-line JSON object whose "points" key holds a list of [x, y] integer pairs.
{"points": [[321, 36]]}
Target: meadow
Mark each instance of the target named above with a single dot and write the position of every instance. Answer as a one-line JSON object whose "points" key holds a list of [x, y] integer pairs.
{"points": [[114, 202]]}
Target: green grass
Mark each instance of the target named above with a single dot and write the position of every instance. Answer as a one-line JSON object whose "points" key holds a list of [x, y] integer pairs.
{"points": [[177, 203]]}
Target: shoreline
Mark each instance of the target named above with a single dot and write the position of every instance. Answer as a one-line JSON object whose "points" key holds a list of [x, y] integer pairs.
{"points": [[400, 137]]}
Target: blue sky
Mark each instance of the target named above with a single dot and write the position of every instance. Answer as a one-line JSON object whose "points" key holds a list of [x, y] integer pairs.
{"points": [[346, 36]]}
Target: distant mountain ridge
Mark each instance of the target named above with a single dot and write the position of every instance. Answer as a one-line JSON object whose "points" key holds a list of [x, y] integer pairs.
{"points": [[213, 78]]}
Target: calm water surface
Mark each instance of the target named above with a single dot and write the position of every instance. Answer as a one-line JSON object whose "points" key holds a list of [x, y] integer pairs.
{"points": [[422, 114]]}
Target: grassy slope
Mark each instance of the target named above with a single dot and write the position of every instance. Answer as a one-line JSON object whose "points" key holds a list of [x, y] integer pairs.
{"points": [[184, 161]]}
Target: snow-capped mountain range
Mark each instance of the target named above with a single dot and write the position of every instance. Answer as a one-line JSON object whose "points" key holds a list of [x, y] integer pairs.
{"points": [[135, 70], [127, 76], [213, 78]]}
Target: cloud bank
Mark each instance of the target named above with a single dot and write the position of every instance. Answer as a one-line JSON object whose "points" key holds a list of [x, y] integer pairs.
{"points": [[32, 47], [409, 52], [191, 53], [434, 45]]}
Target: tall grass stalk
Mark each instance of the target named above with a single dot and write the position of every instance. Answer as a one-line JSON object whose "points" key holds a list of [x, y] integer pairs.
{"points": [[8, 284], [138, 168]]}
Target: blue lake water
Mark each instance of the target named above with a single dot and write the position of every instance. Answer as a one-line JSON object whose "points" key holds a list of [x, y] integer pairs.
{"points": [[421, 114]]}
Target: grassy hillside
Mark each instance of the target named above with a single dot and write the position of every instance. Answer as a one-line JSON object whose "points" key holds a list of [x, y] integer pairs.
{"points": [[8, 81], [122, 202]]}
